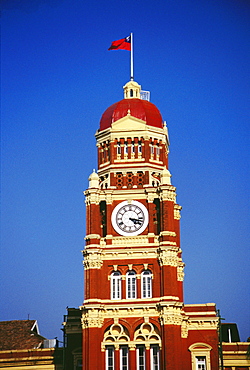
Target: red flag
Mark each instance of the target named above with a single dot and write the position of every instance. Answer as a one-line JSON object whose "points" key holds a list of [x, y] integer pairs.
{"points": [[121, 44]]}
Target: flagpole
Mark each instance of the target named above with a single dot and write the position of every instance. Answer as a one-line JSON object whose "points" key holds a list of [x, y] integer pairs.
{"points": [[131, 59]]}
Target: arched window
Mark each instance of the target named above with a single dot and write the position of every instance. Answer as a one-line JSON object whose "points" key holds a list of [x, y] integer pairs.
{"points": [[147, 334], [116, 337], [131, 284], [116, 286], [146, 284], [200, 356]]}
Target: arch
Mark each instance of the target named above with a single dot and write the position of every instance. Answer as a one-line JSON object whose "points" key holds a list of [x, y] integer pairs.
{"points": [[147, 337], [147, 333], [115, 337], [116, 333], [199, 345]]}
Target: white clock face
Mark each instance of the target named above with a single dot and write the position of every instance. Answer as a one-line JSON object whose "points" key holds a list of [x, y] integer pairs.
{"points": [[130, 218]]}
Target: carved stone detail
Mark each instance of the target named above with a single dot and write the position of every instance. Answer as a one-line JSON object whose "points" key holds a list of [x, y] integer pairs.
{"points": [[92, 259], [168, 257], [180, 271], [177, 212], [170, 315], [167, 233], [184, 329], [168, 194], [130, 240], [91, 197], [92, 318]]}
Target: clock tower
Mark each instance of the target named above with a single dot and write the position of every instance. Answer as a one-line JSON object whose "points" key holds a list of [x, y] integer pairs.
{"points": [[133, 315]]}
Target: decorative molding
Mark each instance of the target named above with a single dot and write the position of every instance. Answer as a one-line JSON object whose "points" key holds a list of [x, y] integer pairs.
{"points": [[170, 314], [167, 194], [131, 254], [177, 212], [92, 318], [92, 259], [180, 270], [168, 233], [92, 198], [151, 196], [92, 236], [184, 327], [205, 323], [130, 240], [168, 257]]}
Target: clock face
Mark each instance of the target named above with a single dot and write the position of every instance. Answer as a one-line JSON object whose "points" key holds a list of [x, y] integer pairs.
{"points": [[130, 218]]}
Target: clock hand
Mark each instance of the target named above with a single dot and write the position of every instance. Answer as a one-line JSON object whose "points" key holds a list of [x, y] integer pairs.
{"points": [[136, 221]]}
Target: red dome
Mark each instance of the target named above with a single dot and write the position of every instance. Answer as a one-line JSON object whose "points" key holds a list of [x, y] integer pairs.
{"points": [[139, 108]]}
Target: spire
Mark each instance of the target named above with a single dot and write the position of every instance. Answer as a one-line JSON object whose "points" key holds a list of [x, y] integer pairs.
{"points": [[132, 90]]}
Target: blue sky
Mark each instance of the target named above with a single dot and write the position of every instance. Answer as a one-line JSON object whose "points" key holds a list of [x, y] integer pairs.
{"points": [[57, 79]]}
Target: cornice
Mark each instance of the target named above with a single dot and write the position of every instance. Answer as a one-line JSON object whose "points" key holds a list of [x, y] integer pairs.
{"points": [[168, 313], [145, 131], [205, 323], [167, 255], [126, 303], [131, 165]]}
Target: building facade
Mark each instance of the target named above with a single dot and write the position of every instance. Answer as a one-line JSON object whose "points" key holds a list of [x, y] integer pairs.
{"points": [[22, 347], [133, 314]]}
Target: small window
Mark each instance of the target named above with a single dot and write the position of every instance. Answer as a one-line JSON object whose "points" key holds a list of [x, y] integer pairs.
{"points": [[116, 285], [131, 284], [146, 282], [124, 358], [201, 363], [110, 364], [118, 148], [154, 357], [139, 148], [140, 358], [125, 148]]}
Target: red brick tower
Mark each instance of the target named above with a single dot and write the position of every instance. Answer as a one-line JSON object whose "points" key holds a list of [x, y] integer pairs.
{"points": [[133, 316]]}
